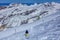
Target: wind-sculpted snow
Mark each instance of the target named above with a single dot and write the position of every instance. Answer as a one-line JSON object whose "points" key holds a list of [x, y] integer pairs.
{"points": [[41, 20]]}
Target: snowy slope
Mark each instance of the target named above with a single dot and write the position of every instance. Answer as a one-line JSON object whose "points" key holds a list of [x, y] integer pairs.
{"points": [[43, 28], [42, 21]]}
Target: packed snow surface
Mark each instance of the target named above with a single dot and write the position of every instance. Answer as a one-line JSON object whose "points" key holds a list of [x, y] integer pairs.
{"points": [[41, 20]]}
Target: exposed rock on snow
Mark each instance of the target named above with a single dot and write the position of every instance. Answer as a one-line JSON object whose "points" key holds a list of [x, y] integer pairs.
{"points": [[26, 14]]}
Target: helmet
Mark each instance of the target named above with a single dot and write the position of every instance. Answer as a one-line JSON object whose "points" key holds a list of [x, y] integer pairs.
{"points": [[26, 31]]}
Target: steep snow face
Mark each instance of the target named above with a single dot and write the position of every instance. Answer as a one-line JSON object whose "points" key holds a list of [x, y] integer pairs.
{"points": [[42, 29], [18, 18]]}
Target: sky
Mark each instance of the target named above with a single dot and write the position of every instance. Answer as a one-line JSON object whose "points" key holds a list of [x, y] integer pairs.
{"points": [[27, 1]]}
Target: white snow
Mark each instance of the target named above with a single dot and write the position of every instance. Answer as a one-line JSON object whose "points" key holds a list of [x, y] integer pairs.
{"points": [[41, 20]]}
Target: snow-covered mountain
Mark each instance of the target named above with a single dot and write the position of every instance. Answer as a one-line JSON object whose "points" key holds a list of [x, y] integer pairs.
{"points": [[42, 21]]}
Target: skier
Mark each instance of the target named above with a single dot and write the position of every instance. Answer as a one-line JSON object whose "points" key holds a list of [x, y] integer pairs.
{"points": [[26, 34]]}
